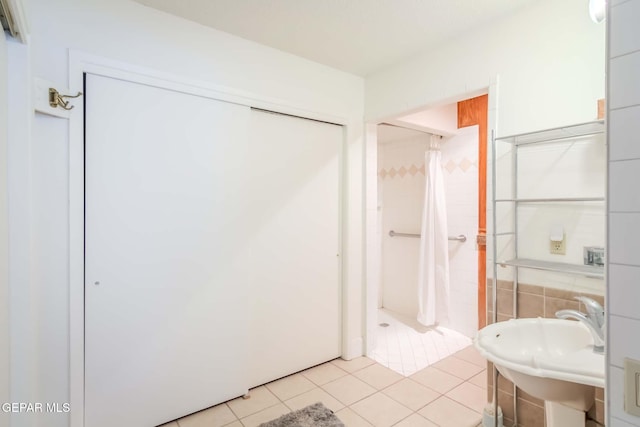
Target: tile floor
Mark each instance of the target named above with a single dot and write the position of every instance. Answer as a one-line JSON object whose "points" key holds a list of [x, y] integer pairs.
{"points": [[406, 346], [449, 393]]}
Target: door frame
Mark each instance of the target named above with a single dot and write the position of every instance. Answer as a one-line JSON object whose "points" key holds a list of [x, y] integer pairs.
{"points": [[372, 257], [474, 111], [81, 63]]}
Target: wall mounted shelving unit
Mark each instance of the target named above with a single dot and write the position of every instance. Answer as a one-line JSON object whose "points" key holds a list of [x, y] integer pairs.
{"points": [[561, 134], [549, 136]]}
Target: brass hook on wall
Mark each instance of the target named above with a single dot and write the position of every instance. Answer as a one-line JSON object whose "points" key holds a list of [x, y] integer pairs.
{"points": [[57, 100]]}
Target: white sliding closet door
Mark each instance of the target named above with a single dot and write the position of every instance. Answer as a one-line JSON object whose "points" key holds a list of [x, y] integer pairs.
{"points": [[295, 315], [166, 253]]}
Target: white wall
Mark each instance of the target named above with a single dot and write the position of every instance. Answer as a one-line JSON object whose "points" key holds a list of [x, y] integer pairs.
{"points": [[623, 334], [130, 32], [373, 228], [126, 31], [22, 308], [442, 120], [401, 180], [549, 57], [4, 234]]}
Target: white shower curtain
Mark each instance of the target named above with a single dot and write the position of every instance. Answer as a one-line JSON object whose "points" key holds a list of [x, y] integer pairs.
{"points": [[433, 277]]}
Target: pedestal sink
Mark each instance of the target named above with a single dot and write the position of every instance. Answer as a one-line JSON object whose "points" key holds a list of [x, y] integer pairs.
{"points": [[551, 359]]}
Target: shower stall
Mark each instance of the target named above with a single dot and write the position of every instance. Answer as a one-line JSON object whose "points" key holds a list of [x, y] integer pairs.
{"points": [[402, 342]]}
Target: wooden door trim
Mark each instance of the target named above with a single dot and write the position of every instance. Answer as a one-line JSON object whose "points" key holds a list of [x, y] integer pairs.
{"points": [[472, 112]]}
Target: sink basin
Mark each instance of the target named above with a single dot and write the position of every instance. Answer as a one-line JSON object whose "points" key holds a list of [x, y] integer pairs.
{"points": [[551, 359]]}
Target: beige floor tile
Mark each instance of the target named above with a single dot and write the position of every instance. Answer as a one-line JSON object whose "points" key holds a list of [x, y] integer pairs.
{"points": [[471, 355], [313, 396], [415, 420], [260, 399], [216, 416], [378, 376], [436, 379], [353, 364], [290, 386], [324, 373], [349, 389], [411, 394], [380, 410], [480, 380], [446, 413], [351, 419], [458, 367], [171, 424], [265, 415], [471, 396], [234, 424]]}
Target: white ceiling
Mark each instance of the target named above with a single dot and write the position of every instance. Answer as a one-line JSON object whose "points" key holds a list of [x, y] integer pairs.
{"points": [[356, 36]]}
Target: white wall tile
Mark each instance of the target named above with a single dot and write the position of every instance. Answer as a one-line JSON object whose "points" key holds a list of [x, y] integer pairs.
{"points": [[624, 238], [622, 174], [624, 90], [624, 290], [402, 207], [624, 231], [622, 333], [462, 215], [624, 129], [624, 28]]}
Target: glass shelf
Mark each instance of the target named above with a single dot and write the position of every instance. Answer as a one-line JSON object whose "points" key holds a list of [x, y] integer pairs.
{"points": [[555, 134], [561, 267]]}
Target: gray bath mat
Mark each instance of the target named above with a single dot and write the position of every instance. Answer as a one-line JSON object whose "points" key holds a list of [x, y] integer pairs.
{"points": [[316, 415]]}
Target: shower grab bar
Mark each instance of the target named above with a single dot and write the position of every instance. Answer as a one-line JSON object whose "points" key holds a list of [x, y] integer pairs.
{"points": [[460, 238]]}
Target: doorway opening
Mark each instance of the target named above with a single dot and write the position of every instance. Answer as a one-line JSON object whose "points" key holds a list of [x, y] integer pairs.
{"points": [[406, 345]]}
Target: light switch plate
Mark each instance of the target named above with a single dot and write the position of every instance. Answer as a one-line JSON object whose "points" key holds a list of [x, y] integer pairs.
{"points": [[638, 389], [632, 386]]}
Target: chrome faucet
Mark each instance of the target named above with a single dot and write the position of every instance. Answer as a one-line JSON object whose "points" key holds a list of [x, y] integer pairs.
{"points": [[594, 320]]}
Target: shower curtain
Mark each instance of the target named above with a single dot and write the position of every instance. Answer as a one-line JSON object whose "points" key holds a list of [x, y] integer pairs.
{"points": [[433, 277]]}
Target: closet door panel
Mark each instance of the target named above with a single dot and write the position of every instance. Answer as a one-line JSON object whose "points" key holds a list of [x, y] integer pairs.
{"points": [[295, 286], [165, 253]]}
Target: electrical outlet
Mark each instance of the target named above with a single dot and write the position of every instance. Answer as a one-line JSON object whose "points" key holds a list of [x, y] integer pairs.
{"points": [[558, 247]]}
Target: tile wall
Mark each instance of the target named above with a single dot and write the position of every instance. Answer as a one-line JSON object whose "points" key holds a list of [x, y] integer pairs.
{"points": [[534, 301], [623, 112], [401, 181], [460, 161]]}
